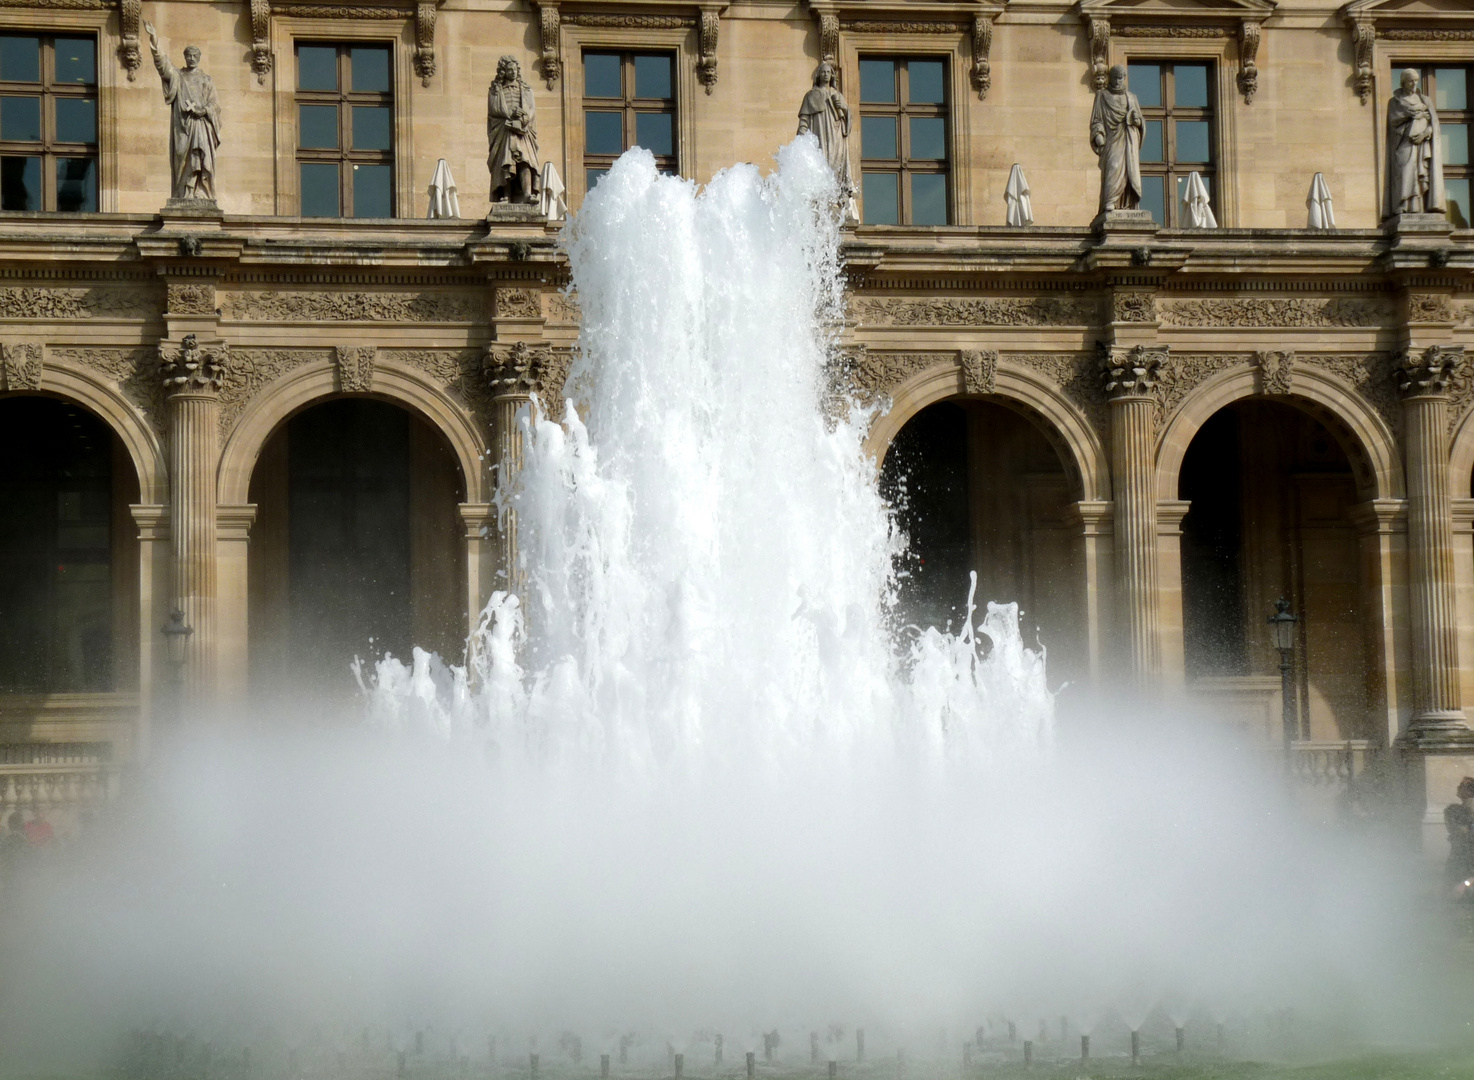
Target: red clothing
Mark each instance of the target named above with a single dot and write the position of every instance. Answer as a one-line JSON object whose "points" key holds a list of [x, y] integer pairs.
{"points": [[39, 833]]}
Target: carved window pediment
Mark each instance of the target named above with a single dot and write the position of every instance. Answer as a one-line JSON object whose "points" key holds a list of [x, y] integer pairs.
{"points": [[1401, 21], [899, 18], [421, 12], [1240, 20], [704, 15]]}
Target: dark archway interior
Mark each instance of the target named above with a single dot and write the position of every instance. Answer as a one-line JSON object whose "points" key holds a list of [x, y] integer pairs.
{"points": [[68, 551], [355, 550]]}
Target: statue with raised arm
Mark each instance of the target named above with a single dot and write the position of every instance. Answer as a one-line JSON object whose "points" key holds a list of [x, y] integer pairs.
{"points": [[1116, 128], [826, 114], [194, 128], [1414, 156], [511, 129]]}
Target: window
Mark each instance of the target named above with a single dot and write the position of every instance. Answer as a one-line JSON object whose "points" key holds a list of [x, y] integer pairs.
{"points": [[345, 130], [629, 99], [1177, 106], [48, 123], [903, 141], [1448, 89]]}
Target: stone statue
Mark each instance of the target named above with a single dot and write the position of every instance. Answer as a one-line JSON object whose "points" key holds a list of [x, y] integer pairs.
{"points": [[1116, 127], [511, 129], [194, 127], [1414, 157], [826, 113]]}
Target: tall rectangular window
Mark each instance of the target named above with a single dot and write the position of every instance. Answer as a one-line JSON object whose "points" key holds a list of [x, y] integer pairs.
{"points": [[345, 130], [1448, 88], [629, 99], [48, 123], [904, 174], [1177, 107]]}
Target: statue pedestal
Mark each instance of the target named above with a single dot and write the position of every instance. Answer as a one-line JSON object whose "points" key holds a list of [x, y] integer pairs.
{"points": [[1420, 224], [192, 213], [1138, 222], [510, 213]]}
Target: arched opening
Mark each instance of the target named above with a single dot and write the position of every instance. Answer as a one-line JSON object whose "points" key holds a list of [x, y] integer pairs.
{"points": [[355, 551], [978, 485], [1271, 492], [68, 551]]}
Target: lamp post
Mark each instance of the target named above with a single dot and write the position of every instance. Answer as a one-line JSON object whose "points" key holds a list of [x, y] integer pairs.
{"points": [[176, 640], [1282, 631]]}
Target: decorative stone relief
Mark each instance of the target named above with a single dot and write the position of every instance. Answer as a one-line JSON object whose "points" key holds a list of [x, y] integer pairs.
{"points": [[1099, 28], [189, 367], [192, 299], [1369, 375], [979, 370], [1078, 377], [1429, 372], [828, 36], [523, 370], [355, 368], [1130, 306], [563, 308], [425, 41], [868, 376], [1186, 373], [21, 364], [261, 39], [1131, 372], [1249, 34], [34, 303], [1254, 311], [982, 46], [514, 303], [706, 39], [252, 370], [1429, 307], [1364, 45], [130, 52], [628, 22], [134, 371], [550, 29], [274, 306], [1004, 311], [1276, 371], [423, 13], [895, 27]]}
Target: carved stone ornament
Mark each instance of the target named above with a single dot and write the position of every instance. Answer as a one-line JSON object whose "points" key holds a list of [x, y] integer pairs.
{"points": [[706, 63], [979, 370], [271, 305], [515, 303], [1253, 311], [22, 366], [627, 21], [550, 27], [1276, 371], [1429, 308], [517, 369], [130, 52], [982, 46], [1099, 28], [1131, 372], [423, 13], [191, 299], [1249, 33], [1364, 47], [192, 368], [355, 365], [425, 41], [1045, 310], [828, 36], [261, 39], [1133, 307], [1429, 372]]}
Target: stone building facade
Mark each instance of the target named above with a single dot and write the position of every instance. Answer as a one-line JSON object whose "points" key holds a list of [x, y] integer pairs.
{"points": [[1147, 434]]}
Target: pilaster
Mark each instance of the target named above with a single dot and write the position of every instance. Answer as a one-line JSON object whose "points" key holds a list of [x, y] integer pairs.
{"points": [[478, 521], [1092, 520], [1169, 594], [233, 534], [514, 371], [154, 592]]}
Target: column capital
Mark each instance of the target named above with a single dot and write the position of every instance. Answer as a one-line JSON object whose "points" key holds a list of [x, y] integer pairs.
{"points": [[1429, 372], [516, 369], [1131, 372], [192, 368]]}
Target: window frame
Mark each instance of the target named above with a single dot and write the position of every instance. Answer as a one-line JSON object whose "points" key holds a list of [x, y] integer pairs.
{"points": [[1168, 114], [344, 98], [630, 106], [902, 109], [1428, 86]]}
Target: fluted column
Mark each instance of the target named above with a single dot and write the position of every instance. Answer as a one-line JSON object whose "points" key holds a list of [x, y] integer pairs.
{"points": [[515, 372], [191, 375], [1130, 382], [1423, 377]]}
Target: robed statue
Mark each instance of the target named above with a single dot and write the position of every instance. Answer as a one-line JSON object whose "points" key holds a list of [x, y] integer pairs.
{"points": [[511, 129], [1414, 156], [1116, 127], [826, 114], [194, 124]]}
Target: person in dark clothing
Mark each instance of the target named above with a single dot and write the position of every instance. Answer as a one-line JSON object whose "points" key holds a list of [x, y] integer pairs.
{"points": [[1458, 819]]}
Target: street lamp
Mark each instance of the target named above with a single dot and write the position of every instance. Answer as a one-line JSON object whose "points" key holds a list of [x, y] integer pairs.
{"points": [[176, 639], [1282, 632]]}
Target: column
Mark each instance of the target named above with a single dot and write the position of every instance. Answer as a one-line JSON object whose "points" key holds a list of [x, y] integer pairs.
{"points": [[515, 372], [1130, 382], [191, 374], [478, 520], [154, 589], [1423, 376], [1169, 594], [1092, 519], [1381, 526]]}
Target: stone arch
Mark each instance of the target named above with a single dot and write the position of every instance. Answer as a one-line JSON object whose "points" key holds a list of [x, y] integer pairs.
{"points": [[310, 385], [1018, 388], [1362, 433], [1461, 457], [83, 387]]}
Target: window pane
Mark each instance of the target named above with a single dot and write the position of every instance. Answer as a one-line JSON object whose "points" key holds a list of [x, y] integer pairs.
{"points": [[76, 120], [926, 82], [319, 189], [370, 67], [372, 187], [76, 60], [603, 132], [593, 176], [882, 198], [928, 199], [1453, 89], [371, 128], [1455, 143], [878, 137], [1192, 140], [1151, 197], [601, 75], [1458, 202], [20, 119], [652, 77], [1145, 81], [655, 132], [20, 59], [1151, 141], [928, 138], [76, 185], [1192, 86], [877, 80], [20, 183], [318, 127], [317, 67]]}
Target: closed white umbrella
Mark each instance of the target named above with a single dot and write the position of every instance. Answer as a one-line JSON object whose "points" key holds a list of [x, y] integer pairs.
{"points": [[1322, 216], [1020, 210], [443, 200], [1196, 211], [553, 206]]}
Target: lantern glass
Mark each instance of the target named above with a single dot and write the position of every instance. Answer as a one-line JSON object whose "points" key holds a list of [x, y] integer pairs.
{"points": [[1282, 627], [176, 636]]}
